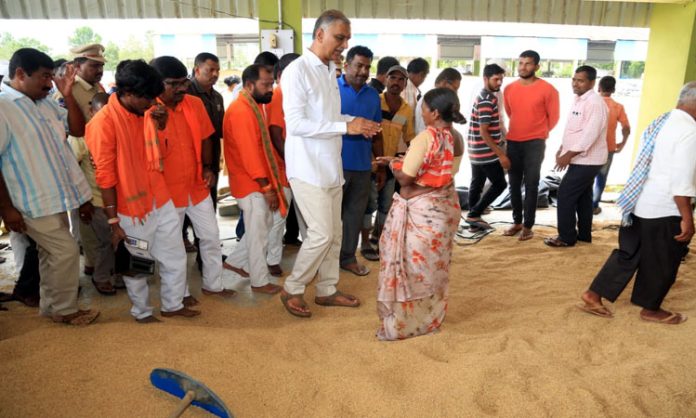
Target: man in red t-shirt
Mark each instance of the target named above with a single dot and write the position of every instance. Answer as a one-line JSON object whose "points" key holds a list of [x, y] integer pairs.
{"points": [[616, 115], [533, 108]]}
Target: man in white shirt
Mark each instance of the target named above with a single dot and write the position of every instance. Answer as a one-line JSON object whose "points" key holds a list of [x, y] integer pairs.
{"points": [[312, 106], [418, 70], [652, 246]]}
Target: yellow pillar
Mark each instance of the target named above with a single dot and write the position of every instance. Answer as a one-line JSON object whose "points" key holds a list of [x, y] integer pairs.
{"points": [[292, 17], [671, 61]]}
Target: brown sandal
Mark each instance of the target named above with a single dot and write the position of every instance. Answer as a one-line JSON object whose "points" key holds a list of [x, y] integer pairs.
{"points": [[79, 318], [332, 300], [285, 297]]}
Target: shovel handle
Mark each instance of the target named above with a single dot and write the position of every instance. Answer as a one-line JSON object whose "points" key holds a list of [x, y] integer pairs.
{"points": [[185, 402]]}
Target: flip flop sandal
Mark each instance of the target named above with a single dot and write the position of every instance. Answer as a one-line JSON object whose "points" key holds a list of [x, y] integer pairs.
{"points": [[680, 319], [598, 310], [286, 297], [331, 300], [479, 223], [507, 232], [110, 291], [370, 254], [361, 270], [79, 318], [556, 243]]}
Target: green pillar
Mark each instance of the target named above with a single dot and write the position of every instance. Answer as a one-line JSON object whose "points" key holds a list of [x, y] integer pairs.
{"points": [[292, 15], [671, 61]]}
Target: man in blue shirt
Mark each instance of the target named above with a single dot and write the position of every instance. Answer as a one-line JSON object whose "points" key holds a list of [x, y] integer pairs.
{"points": [[40, 181], [357, 99]]}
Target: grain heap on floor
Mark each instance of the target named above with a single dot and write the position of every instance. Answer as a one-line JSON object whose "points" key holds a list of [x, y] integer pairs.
{"points": [[513, 344]]}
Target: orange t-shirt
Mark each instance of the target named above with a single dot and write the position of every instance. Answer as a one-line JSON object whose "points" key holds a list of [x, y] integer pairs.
{"points": [[102, 140], [274, 110], [616, 115], [244, 155], [181, 154], [533, 110]]}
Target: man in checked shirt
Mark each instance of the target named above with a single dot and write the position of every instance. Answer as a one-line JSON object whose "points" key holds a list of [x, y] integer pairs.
{"points": [[583, 152]]}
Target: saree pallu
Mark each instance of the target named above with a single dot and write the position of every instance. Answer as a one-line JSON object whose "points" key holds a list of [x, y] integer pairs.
{"points": [[415, 251]]}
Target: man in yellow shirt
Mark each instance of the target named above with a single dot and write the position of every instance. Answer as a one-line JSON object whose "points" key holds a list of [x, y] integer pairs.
{"points": [[397, 131]]}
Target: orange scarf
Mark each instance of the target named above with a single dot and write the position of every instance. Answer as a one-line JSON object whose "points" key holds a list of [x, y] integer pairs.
{"points": [[134, 187]]}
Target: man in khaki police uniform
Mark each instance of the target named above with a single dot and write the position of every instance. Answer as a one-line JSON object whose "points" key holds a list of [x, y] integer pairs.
{"points": [[96, 237]]}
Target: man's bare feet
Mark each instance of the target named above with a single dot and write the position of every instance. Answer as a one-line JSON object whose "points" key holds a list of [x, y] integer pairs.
{"points": [[225, 293], [237, 270], [526, 234], [513, 230], [185, 312], [269, 289], [662, 317]]}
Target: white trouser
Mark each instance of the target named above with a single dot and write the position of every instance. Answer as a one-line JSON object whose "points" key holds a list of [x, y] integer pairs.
{"points": [[261, 228], [321, 211], [19, 243], [275, 236], [205, 226], [162, 231]]}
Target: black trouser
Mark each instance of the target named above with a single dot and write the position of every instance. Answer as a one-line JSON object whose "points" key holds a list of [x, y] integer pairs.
{"points": [[28, 282], [575, 197], [356, 192], [525, 165], [292, 227], [648, 247], [479, 173]]}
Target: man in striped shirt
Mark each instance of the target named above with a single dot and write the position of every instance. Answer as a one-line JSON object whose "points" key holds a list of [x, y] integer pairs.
{"points": [[487, 156], [40, 180]]}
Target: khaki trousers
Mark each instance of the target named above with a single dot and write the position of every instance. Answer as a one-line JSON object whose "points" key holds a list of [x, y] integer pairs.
{"points": [[59, 263]]}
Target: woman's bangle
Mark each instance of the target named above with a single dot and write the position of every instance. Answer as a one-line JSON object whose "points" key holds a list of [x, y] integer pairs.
{"points": [[267, 188], [113, 221], [110, 207]]}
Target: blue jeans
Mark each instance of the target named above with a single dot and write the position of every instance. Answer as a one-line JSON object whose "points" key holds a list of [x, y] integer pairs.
{"points": [[601, 181]]}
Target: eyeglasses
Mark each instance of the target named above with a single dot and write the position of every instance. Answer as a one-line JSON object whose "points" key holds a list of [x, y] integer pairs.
{"points": [[175, 84]]}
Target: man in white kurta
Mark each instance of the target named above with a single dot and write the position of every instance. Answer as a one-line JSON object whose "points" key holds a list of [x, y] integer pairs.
{"points": [[312, 106], [658, 223]]}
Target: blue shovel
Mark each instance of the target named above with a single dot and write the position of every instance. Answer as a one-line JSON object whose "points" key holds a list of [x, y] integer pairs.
{"points": [[189, 391]]}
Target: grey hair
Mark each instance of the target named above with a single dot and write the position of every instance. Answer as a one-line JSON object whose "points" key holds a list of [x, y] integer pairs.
{"points": [[327, 18], [687, 95]]}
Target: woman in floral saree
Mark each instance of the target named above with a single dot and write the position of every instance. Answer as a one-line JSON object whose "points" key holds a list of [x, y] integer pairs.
{"points": [[416, 243]]}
